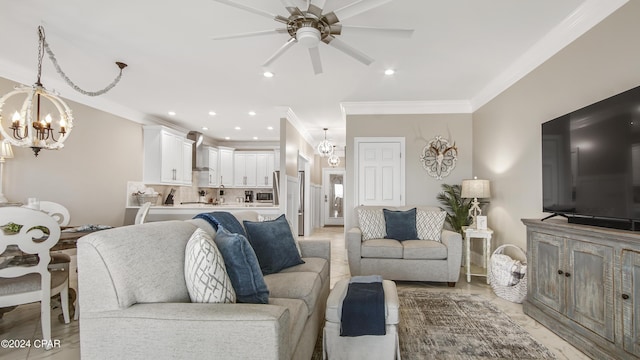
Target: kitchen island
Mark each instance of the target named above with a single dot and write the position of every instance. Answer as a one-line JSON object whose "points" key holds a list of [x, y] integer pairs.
{"points": [[188, 211]]}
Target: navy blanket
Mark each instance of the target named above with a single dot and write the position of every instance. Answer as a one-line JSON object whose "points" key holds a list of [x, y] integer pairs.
{"points": [[224, 219], [363, 310]]}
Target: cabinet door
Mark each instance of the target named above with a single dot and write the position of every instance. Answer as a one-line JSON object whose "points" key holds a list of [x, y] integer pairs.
{"points": [[213, 166], [589, 278], [631, 301], [240, 173], [250, 170], [264, 169], [170, 148], [547, 280], [225, 169], [185, 173]]}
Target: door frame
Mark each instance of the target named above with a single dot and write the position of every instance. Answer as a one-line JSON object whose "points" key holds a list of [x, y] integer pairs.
{"points": [[326, 172]]}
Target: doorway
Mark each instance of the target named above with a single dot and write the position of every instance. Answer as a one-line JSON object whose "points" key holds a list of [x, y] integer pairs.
{"points": [[333, 196]]}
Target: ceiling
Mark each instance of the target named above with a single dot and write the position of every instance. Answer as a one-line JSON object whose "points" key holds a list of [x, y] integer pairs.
{"points": [[465, 51]]}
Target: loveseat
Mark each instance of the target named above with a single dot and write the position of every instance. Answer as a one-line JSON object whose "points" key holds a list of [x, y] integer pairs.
{"points": [[436, 257], [134, 303]]}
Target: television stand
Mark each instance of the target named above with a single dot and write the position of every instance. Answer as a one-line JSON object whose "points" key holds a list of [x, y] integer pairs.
{"points": [[554, 215]]}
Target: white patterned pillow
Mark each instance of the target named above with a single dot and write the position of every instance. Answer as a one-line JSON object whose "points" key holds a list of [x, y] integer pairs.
{"points": [[205, 272], [429, 224], [372, 223]]}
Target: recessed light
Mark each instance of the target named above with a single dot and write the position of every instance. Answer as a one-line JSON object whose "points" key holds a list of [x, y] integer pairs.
{"points": [[255, 138], [389, 72], [172, 113], [227, 138], [205, 128], [269, 127], [212, 113], [238, 128], [252, 113], [268, 74]]}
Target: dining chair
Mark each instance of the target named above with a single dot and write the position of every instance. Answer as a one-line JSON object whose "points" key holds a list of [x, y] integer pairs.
{"points": [[141, 215], [56, 211], [29, 235]]}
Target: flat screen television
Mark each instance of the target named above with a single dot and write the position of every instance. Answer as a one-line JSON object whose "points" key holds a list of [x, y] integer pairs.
{"points": [[591, 163]]}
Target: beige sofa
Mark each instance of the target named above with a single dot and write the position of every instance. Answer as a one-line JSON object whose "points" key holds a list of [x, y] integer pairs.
{"points": [[410, 260], [134, 302]]}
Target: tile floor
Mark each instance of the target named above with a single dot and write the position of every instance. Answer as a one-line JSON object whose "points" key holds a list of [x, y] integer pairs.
{"points": [[24, 322]]}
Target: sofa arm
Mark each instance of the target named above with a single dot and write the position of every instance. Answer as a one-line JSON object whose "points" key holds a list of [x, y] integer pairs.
{"points": [[187, 331], [354, 243], [316, 248], [453, 241]]}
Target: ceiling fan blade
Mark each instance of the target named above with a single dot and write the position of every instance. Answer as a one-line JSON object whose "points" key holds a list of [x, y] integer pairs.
{"points": [[279, 52], [348, 49], [250, 34], [292, 7], [318, 3], [348, 29], [356, 8], [315, 10], [315, 60], [247, 8]]}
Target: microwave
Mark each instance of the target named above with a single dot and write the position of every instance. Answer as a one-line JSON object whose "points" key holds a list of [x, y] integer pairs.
{"points": [[264, 197]]}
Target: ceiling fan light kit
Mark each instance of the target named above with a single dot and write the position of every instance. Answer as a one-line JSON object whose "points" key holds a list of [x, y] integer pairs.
{"points": [[310, 27]]}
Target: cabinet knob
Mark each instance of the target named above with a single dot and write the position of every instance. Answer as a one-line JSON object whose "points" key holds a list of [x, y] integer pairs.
{"points": [[560, 272], [567, 274], [625, 296]]}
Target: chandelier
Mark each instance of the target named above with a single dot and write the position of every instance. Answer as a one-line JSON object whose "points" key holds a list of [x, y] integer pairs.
{"points": [[334, 159], [325, 148], [33, 125]]}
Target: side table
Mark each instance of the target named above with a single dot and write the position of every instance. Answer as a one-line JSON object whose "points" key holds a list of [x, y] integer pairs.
{"points": [[485, 235]]}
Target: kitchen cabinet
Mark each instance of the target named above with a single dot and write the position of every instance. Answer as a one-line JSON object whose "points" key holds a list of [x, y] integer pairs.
{"points": [[264, 169], [167, 156], [245, 165], [225, 166], [581, 286], [208, 165]]}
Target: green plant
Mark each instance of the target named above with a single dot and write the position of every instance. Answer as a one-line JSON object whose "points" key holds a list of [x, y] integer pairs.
{"points": [[456, 207]]}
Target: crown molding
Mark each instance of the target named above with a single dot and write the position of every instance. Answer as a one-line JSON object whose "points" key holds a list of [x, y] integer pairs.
{"points": [[287, 113], [405, 107], [585, 17]]}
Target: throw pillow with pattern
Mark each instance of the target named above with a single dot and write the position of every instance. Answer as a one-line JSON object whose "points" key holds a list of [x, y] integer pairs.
{"points": [[372, 223], [429, 224], [205, 272]]}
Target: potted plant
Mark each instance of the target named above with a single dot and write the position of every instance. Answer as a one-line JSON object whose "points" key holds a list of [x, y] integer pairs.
{"points": [[456, 207]]}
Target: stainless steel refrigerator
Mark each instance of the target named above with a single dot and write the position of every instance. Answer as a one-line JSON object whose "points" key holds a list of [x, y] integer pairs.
{"points": [[301, 204]]}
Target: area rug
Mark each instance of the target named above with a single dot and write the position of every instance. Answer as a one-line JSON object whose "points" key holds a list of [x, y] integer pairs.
{"points": [[439, 325]]}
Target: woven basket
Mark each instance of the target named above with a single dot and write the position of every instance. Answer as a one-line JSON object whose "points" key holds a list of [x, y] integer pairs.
{"points": [[516, 293]]}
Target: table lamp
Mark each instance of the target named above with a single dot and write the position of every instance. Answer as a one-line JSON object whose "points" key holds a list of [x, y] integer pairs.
{"points": [[475, 189], [5, 153]]}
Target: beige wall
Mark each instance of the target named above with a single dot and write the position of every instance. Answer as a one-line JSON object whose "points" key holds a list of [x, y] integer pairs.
{"points": [[506, 131], [296, 144], [89, 175], [421, 189]]}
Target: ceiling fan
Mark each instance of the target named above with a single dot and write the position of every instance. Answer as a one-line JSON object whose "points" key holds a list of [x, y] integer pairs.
{"points": [[311, 26]]}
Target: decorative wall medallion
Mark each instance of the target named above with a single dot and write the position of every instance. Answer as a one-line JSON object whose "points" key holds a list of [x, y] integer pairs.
{"points": [[439, 157]]}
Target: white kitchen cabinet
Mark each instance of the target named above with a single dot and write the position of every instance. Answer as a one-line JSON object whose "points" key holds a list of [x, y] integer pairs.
{"points": [[225, 166], [245, 164], [208, 165], [167, 156], [264, 169]]}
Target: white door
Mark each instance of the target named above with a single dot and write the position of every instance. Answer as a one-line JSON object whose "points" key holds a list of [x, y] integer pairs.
{"points": [[333, 196], [380, 171]]}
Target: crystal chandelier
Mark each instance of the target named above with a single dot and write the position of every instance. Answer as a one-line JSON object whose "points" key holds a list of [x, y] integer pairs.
{"points": [[325, 148], [33, 125], [334, 159]]}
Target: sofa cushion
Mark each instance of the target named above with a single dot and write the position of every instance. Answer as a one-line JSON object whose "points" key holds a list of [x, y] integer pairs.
{"points": [[382, 248], [424, 250], [243, 267], [305, 286], [429, 224], [400, 225], [371, 223], [205, 272], [297, 317], [274, 244], [315, 265]]}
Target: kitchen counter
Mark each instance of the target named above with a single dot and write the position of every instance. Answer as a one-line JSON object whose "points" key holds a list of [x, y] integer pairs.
{"points": [[188, 211]]}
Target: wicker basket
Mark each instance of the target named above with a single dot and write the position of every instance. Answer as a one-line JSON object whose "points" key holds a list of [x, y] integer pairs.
{"points": [[516, 293], [143, 198]]}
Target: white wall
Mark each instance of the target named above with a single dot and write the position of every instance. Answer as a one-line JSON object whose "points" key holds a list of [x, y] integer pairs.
{"points": [[421, 189], [507, 132]]}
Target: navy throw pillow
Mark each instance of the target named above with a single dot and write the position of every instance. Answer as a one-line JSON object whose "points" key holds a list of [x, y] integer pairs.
{"points": [[274, 244], [401, 225], [242, 267]]}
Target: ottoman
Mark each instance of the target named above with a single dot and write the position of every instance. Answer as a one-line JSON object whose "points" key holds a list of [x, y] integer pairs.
{"points": [[361, 347]]}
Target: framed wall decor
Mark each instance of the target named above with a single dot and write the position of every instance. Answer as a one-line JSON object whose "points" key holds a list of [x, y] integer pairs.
{"points": [[439, 157]]}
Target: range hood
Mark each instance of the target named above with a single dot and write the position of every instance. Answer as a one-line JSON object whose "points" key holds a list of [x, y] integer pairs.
{"points": [[196, 163]]}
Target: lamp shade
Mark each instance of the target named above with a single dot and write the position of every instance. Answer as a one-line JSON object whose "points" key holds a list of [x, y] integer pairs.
{"points": [[5, 150], [476, 189]]}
